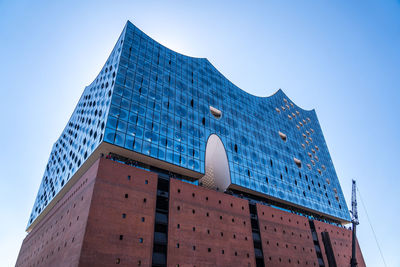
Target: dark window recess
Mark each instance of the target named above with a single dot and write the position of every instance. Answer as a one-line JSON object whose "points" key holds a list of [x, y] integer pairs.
{"points": [[161, 223], [159, 258], [256, 237], [162, 203], [327, 244], [161, 218], [255, 228], [160, 238]]}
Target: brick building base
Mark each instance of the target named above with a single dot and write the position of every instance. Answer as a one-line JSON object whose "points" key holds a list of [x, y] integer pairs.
{"points": [[112, 216]]}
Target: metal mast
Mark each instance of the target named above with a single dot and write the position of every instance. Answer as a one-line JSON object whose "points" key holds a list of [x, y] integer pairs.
{"points": [[354, 221]]}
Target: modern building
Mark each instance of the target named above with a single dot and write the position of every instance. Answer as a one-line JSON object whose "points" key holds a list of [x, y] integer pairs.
{"points": [[166, 162]]}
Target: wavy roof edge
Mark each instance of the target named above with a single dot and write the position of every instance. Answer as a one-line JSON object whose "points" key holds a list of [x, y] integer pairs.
{"points": [[276, 93]]}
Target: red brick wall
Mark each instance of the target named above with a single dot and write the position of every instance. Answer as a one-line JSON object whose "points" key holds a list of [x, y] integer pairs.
{"points": [[286, 238], [341, 244], [85, 226], [189, 206], [57, 239], [102, 245]]}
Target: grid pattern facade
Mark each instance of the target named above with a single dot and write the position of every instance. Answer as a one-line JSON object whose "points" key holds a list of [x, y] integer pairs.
{"points": [[160, 105]]}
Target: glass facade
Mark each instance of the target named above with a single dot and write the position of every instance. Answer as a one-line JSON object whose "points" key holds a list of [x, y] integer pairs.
{"points": [[154, 101]]}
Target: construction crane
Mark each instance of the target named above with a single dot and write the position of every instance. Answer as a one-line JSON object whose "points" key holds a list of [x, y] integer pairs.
{"points": [[355, 222]]}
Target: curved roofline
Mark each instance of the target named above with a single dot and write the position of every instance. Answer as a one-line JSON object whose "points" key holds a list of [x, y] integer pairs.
{"points": [[198, 58], [208, 61]]}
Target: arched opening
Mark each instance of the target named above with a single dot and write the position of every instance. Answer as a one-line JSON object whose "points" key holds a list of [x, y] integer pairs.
{"points": [[217, 175]]}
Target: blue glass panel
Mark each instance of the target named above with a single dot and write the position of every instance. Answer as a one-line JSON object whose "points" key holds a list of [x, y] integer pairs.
{"points": [[167, 102]]}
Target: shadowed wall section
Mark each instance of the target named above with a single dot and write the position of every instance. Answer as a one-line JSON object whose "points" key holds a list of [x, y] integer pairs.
{"points": [[106, 218], [57, 239]]}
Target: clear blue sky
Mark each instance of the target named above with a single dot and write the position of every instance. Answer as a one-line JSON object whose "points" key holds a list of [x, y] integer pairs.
{"points": [[340, 57]]}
